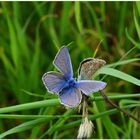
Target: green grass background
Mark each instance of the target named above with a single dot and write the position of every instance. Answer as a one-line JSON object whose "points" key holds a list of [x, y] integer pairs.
{"points": [[31, 33]]}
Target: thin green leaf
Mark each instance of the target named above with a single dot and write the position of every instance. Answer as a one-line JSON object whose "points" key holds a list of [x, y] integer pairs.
{"points": [[138, 6], [119, 74], [94, 117], [78, 16], [137, 25], [24, 126], [27, 106], [131, 39], [123, 62], [32, 94], [29, 117]]}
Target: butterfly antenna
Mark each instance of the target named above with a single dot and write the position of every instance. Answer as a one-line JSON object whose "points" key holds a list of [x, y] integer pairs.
{"points": [[97, 48], [121, 110]]}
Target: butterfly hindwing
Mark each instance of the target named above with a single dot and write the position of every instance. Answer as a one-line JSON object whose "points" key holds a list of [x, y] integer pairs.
{"points": [[90, 86], [63, 62], [70, 97], [54, 81]]}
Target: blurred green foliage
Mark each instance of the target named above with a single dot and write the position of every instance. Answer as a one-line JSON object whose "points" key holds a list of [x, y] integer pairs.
{"points": [[31, 33]]}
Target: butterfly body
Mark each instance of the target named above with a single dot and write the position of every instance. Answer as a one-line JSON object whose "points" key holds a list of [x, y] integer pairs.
{"points": [[71, 83], [63, 83]]}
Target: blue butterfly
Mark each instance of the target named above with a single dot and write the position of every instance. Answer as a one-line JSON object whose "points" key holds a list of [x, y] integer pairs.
{"points": [[64, 85]]}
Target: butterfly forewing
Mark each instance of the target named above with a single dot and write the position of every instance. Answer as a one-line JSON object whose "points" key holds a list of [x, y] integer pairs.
{"points": [[63, 62], [90, 86], [70, 96], [54, 81]]}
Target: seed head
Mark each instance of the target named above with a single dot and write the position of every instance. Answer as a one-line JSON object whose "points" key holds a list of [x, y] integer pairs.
{"points": [[85, 129]]}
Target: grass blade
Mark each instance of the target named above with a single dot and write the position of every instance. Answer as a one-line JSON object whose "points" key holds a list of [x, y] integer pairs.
{"points": [[78, 16], [137, 25], [119, 74], [123, 62], [27, 106], [23, 127]]}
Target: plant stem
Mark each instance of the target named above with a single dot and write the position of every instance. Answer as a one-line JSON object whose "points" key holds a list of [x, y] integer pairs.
{"points": [[123, 111]]}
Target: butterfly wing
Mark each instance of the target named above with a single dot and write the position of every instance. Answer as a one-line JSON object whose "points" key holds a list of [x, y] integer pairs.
{"points": [[90, 86], [70, 97], [63, 62], [54, 81], [88, 67]]}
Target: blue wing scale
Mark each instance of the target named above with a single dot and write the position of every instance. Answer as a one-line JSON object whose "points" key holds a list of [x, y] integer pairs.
{"points": [[90, 86]]}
